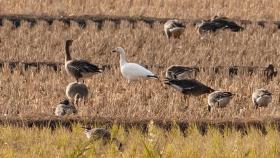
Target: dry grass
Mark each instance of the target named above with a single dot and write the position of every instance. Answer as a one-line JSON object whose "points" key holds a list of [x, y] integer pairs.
{"points": [[32, 92], [33, 142], [249, 9]]}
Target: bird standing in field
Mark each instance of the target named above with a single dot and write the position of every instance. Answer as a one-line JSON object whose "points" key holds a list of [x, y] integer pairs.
{"points": [[132, 71], [189, 87], [78, 68], [65, 108], [261, 98], [219, 99], [270, 72], [181, 72], [101, 134], [76, 91], [216, 23], [174, 28]]}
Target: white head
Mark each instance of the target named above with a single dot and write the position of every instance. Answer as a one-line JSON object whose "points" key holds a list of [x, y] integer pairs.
{"points": [[118, 50]]}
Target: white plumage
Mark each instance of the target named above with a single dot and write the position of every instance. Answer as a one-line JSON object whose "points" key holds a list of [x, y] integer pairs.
{"points": [[132, 71]]}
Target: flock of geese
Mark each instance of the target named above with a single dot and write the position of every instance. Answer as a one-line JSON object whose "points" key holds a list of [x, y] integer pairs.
{"points": [[80, 69]]}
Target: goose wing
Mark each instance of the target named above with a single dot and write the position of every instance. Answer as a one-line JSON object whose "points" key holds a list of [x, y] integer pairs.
{"points": [[222, 95], [189, 86], [171, 24], [80, 66], [133, 69], [227, 24], [176, 70], [210, 26]]}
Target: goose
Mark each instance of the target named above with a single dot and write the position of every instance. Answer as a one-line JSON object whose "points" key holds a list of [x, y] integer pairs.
{"points": [[261, 98], [219, 99], [101, 134], [270, 72], [132, 71], [181, 72], [78, 68], [227, 23], [188, 87], [208, 26], [65, 108], [76, 91], [216, 23], [173, 28]]}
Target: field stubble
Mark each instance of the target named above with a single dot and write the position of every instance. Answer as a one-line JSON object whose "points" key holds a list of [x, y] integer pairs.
{"points": [[186, 9], [33, 92]]}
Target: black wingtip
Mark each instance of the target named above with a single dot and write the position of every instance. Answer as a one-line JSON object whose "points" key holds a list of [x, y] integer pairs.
{"points": [[149, 76]]}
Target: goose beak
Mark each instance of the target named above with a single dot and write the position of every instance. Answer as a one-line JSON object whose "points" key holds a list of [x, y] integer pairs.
{"points": [[114, 51]]}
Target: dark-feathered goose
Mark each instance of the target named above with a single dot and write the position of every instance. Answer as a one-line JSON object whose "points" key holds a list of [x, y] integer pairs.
{"points": [[219, 99], [181, 72], [261, 98], [78, 68], [217, 23], [65, 108], [189, 86], [270, 72], [227, 23], [174, 28], [101, 134]]}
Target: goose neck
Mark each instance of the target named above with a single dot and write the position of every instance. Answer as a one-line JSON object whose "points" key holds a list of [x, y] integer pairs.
{"points": [[67, 52], [122, 58]]}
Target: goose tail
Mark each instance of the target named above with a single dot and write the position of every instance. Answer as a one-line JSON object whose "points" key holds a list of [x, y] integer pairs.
{"points": [[153, 76]]}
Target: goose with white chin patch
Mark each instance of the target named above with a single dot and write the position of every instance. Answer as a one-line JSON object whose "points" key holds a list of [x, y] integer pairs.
{"points": [[132, 71]]}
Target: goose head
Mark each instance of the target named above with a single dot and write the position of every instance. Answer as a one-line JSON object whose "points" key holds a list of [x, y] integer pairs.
{"points": [[118, 50], [69, 42]]}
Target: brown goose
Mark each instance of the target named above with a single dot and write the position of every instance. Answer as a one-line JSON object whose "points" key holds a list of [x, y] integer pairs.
{"points": [[219, 99], [101, 134], [270, 72], [76, 91], [189, 87], [217, 23], [65, 108], [174, 28], [78, 68], [261, 98], [181, 72]]}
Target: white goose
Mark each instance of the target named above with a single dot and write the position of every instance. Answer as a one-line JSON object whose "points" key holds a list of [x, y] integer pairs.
{"points": [[132, 71]]}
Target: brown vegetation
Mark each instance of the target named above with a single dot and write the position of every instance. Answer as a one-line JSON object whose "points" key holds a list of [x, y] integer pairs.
{"points": [[186, 9], [37, 92]]}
